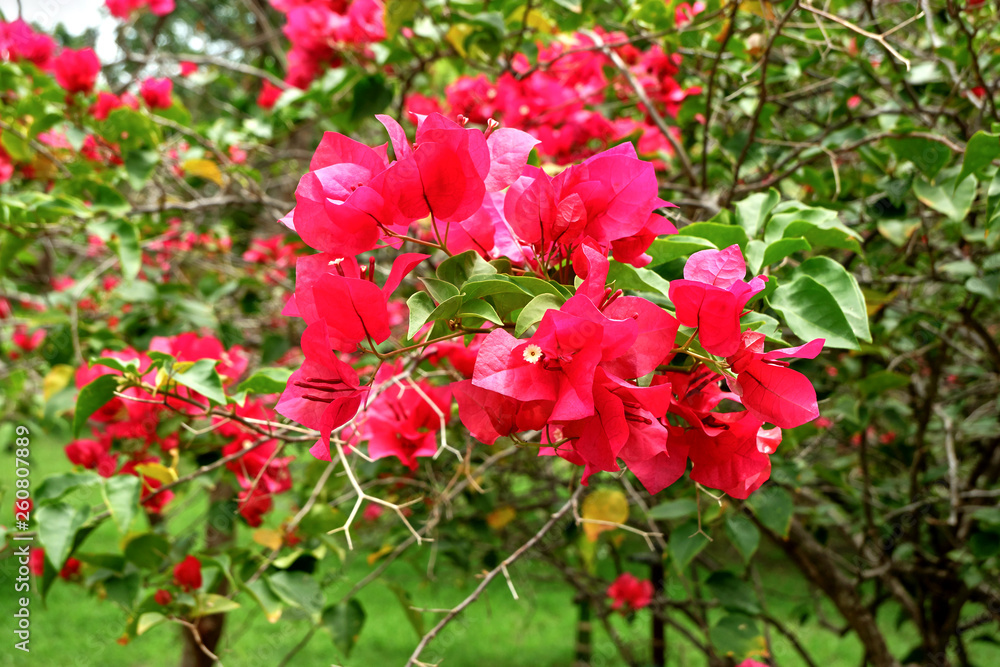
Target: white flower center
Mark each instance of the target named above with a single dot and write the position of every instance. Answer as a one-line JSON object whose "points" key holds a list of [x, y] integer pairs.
{"points": [[532, 354]]}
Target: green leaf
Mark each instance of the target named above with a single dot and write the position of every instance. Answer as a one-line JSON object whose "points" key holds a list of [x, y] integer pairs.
{"points": [[149, 620], [439, 289], [532, 313], [626, 276], [948, 199], [9, 248], [129, 252], [202, 377], [774, 508], [344, 622], [147, 550], [844, 288], [981, 150], [722, 236], [733, 593], [298, 589], [372, 94], [421, 306], [674, 509], [139, 167], [752, 212], [57, 527], [479, 309], [266, 598], [121, 495], [92, 398], [821, 227], [447, 309], [55, 487], [782, 248], [211, 603], [415, 617], [812, 312], [16, 146], [397, 14], [266, 381], [459, 268], [880, 382], [685, 543], [736, 635], [928, 156], [984, 545], [676, 246], [743, 534]]}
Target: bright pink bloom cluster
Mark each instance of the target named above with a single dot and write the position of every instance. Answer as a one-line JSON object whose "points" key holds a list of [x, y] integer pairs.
{"points": [[558, 99], [320, 30], [19, 42], [122, 9], [76, 70], [156, 93], [128, 429], [576, 379], [629, 593], [273, 257]]}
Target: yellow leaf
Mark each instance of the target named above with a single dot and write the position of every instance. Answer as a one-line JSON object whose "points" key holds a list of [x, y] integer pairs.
{"points": [[56, 380], [537, 20], [500, 517], [157, 471], [268, 537], [761, 8], [374, 556], [456, 37], [203, 168], [603, 505]]}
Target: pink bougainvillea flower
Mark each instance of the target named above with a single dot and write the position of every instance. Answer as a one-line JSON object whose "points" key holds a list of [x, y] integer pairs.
{"points": [[259, 467], [556, 364], [404, 421], [489, 415], [76, 71], [188, 68], [443, 177], [93, 455], [36, 561], [345, 296], [153, 504], [70, 569], [538, 214], [253, 503], [630, 593], [161, 7], [712, 297], [187, 574], [192, 347], [768, 388], [735, 459], [156, 93], [122, 9], [18, 41], [269, 94], [619, 192], [336, 209], [324, 393], [27, 342]]}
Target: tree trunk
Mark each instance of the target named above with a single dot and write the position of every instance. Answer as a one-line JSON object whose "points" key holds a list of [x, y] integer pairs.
{"points": [[219, 533]]}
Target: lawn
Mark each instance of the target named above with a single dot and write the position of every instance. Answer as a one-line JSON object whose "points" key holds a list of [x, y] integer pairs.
{"points": [[72, 629]]}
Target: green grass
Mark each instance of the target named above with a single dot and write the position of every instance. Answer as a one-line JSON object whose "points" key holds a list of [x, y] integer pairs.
{"points": [[75, 629]]}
